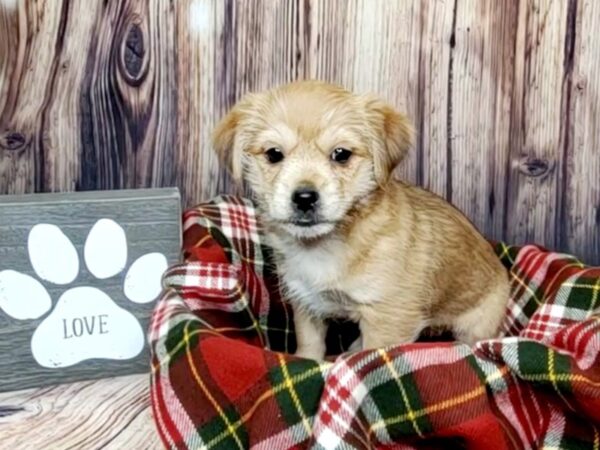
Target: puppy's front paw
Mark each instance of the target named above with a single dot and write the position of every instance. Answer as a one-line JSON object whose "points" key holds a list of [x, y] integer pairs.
{"points": [[311, 352]]}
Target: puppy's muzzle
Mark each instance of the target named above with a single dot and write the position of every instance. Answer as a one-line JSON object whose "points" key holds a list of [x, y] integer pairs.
{"points": [[305, 201]]}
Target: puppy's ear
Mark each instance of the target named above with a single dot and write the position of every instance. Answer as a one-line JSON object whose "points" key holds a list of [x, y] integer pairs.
{"points": [[224, 143], [398, 136]]}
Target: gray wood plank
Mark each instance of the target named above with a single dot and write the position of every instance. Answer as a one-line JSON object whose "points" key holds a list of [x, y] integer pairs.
{"points": [[537, 114], [151, 222], [581, 203], [480, 105]]}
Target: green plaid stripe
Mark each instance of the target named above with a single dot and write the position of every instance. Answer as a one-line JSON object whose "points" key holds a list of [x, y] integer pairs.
{"points": [[297, 388], [224, 432], [583, 293], [542, 365], [402, 416]]}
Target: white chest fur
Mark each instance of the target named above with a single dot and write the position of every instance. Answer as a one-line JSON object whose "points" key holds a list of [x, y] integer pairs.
{"points": [[321, 267], [315, 277]]}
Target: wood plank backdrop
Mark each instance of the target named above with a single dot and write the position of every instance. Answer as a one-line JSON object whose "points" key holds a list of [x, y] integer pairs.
{"points": [[112, 94]]}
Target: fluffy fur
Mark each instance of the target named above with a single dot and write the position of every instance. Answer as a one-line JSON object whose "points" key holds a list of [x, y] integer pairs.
{"points": [[395, 258]]}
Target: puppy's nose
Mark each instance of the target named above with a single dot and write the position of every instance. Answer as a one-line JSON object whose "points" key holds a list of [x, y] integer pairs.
{"points": [[305, 199]]}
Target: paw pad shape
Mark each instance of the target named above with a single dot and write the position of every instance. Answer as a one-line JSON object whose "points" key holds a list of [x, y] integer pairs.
{"points": [[85, 323]]}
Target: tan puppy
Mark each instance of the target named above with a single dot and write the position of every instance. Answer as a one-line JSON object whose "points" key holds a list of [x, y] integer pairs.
{"points": [[350, 241]]}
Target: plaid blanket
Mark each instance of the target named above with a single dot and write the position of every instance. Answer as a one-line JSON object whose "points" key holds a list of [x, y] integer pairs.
{"points": [[222, 377]]}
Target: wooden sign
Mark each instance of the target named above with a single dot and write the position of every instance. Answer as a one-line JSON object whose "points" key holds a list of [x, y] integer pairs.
{"points": [[79, 277]]}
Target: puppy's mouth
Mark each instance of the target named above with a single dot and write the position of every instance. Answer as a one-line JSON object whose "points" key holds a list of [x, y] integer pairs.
{"points": [[307, 229], [303, 223], [307, 220], [306, 223]]}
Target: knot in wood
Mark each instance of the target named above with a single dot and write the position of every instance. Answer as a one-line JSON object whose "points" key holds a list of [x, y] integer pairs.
{"points": [[133, 62], [12, 140], [534, 167]]}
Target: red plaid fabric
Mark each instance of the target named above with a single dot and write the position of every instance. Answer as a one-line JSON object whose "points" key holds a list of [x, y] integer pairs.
{"points": [[222, 375]]}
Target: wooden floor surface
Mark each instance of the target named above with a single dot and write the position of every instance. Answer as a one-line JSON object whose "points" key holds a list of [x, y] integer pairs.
{"points": [[104, 414]]}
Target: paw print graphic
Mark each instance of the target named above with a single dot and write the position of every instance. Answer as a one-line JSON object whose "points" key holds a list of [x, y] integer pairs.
{"points": [[86, 322]]}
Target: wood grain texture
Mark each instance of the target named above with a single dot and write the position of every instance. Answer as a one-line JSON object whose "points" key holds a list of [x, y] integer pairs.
{"points": [[8, 45], [536, 141], [125, 93], [581, 213], [150, 219], [438, 41], [480, 98], [113, 413], [200, 37], [37, 31], [128, 107]]}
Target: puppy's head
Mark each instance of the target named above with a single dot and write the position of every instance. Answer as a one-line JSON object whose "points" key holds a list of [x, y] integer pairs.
{"points": [[310, 151]]}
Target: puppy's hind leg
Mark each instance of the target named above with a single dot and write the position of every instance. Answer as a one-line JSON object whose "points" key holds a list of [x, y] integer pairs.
{"points": [[483, 321]]}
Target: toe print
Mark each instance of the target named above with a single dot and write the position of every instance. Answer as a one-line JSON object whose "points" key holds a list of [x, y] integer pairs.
{"points": [[105, 249], [143, 280], [23, 297], [53, 256]]}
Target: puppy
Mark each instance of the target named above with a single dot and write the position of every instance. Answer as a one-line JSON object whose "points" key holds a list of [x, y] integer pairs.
{"points": [[350, 241]]}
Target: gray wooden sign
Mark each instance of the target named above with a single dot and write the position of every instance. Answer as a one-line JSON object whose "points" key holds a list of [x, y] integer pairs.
{"points": [[79, 276]]}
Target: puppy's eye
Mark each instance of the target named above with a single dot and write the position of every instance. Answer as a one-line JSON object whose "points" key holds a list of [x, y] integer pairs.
{"points": [[273, 155], [341, 155]]}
